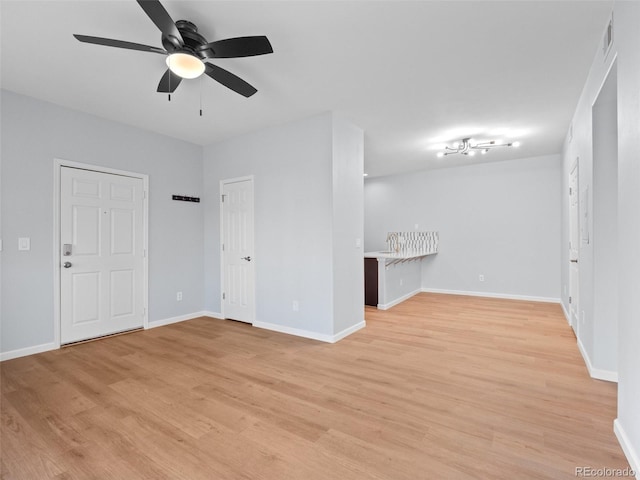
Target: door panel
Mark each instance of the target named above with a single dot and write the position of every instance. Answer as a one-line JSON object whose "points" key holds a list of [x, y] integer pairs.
{"points": [[574, 241], [101, 291], [238, 261]]}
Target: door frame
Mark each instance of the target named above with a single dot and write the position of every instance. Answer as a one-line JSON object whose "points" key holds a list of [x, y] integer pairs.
{"points": [[57, 167], [575, 301], [224, 182]]}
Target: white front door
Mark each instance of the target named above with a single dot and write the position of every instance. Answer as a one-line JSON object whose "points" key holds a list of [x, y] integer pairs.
{"points": [[101, 239], [238, 261], [574, 242]]}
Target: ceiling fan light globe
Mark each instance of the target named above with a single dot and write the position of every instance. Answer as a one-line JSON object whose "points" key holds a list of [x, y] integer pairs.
{"points": [[185, 65]]}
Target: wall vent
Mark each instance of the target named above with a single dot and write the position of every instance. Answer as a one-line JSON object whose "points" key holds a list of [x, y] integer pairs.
{"points": [[607, 41]]}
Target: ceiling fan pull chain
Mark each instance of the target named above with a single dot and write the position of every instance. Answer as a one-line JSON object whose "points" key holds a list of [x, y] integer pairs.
{"points": [[200, 96]]}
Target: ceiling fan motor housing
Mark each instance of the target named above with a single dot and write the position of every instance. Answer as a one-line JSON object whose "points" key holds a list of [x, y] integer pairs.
{"points": [[192, 40]]}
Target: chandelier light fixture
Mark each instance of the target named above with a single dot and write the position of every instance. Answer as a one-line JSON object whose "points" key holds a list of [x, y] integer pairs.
{"points": [[468, 147]]}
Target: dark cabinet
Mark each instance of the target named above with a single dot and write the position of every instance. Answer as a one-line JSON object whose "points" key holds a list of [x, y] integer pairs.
{"points": [[371, 281]]}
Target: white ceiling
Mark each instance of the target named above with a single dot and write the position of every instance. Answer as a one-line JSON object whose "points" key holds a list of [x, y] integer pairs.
{"points": [[408, 73]]}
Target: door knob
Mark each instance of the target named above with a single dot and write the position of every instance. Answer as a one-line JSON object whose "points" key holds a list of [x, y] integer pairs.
{"points": [[66, 264], [248, 259]]}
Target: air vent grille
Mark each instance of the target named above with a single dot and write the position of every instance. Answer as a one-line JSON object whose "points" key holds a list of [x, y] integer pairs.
{"points": [[608, 38]]}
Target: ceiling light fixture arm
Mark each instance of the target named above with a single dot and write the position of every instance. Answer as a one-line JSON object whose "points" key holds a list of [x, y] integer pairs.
{"points": [[466, 147]]}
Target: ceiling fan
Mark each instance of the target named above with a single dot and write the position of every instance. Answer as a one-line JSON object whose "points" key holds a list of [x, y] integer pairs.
{"points": [[187, 51]]}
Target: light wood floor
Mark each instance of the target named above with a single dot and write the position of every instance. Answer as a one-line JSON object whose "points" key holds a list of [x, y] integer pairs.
{"points": [[439, 387]]}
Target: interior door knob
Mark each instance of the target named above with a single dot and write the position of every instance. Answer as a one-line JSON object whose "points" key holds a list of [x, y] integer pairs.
{"points": [[66, 264], [248, 259]]}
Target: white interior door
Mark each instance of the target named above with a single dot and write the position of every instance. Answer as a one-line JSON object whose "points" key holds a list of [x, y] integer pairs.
{"points": [[238, 274], [574, 243], [101, 239]]}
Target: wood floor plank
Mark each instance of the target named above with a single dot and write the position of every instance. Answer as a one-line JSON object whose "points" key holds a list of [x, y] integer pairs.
{"points": [[440, 386]]}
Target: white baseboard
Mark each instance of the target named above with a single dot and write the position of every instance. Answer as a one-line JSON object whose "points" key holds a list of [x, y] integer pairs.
{"points": [[506, 296], [23, 352], [323, 337], [566, 313], [208, 313], [182, 318], [387, 306], [597, 373], [633, 457], [348, 331]]}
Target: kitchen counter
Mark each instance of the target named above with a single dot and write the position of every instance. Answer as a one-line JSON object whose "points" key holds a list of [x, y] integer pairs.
{"points": [[395, 274], [391, 278], [397, 256]]}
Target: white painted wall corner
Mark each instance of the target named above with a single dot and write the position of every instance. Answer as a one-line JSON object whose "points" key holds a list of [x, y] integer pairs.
{"points": [[599, 374]]}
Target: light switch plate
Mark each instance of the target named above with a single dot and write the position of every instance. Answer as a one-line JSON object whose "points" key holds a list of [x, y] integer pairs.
{"points": [[24, 243]]}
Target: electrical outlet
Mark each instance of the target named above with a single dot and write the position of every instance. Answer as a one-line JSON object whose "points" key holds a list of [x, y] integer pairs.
{"points": [[179, 296], [24, 243], [481, 278], [295, 306]]}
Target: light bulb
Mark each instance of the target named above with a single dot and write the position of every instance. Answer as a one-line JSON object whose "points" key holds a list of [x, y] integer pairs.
{"points": [[185, 65], [472, 153], [440, 154], [515, 144]]}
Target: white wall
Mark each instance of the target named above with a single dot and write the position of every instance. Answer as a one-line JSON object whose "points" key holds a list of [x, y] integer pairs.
{"points": [[626, 55], [605, 226], [348, 225], [498, 219], [627, 39], [34, 133], [296, 232], [600, 353]]}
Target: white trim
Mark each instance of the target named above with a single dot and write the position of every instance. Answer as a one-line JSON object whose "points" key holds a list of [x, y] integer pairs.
{"points": [[633, 457], [180, 318], [323, 337], [599, 374], [210, 314], [393, 303], [23, 352], [566, 313], [348, 331], [506, 296], [57, 165], [605, 77]]}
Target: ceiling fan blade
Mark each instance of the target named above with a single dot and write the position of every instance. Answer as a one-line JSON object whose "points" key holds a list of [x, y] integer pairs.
{"points": [[158, 15], [169, 82], [108, 42], [229, 80], [237, 47]]}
